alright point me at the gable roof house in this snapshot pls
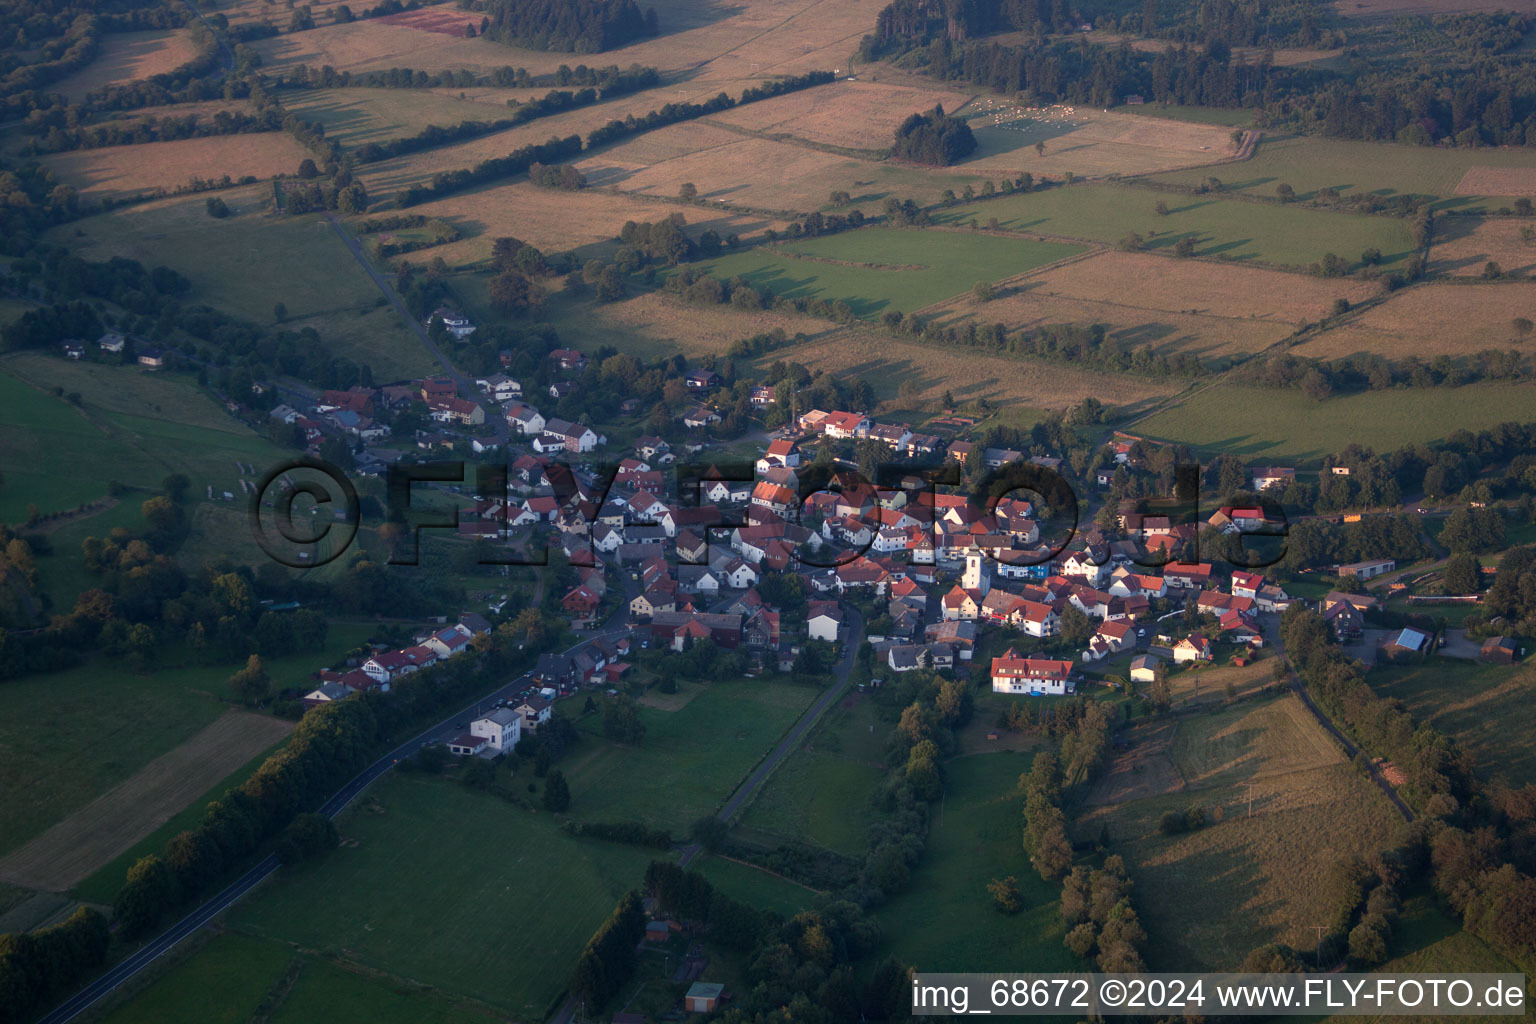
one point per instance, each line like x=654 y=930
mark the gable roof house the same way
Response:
x=1034 y=676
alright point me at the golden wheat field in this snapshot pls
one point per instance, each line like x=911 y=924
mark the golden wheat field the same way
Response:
x=1433 y=319
x=118 y=171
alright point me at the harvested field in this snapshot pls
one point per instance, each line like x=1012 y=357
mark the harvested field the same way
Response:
x=127 y=57
x=1211 y=309
x=855 y=115
x=353 y=117
x=1086 y=142
x=449 y=21
x=704 y=39
x=120 y=817
x=387 y=176
x=1464 y=245
x=1431 y=320
x=1497 y=181
x=121 y=171
x=731 y=166
x=558 y=221
x=655 y=324
x=888 y=363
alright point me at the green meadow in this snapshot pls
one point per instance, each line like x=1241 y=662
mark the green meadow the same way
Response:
x=881 y=269
x=1307 y=163
x=454 y=889
x=1274 y=423
x=1229 y=229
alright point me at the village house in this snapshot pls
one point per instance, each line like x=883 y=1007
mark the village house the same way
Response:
x=456 y=323
x=1265 y=477
x=1192 y=648
x=1033 y=676
x=501 y=729
x=823 y=620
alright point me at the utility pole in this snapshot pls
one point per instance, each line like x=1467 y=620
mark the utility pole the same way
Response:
x=1250 y=786
x=1318 y=953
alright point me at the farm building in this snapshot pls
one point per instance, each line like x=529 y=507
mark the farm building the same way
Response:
x=1498 y=650
x=1368 y=569
x=1144 y=668
x=703 y=997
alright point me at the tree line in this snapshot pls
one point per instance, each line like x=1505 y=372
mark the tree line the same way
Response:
x=553 y=102
x=329 y=745
x=555 y=150
x=37 y=968
x=579 y=26
x=1474 y=839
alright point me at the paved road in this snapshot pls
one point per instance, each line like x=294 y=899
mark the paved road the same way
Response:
x=1272 y=628
x=161 y=944
x=797 y=732
x=466 y=386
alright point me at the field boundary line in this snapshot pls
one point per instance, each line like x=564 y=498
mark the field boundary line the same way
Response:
x=871 y=155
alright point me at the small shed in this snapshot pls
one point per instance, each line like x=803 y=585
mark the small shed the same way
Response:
x=1498 y=650
x=703 y=997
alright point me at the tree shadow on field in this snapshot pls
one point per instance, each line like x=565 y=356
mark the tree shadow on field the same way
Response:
x=1202 y=902
x=684 y=15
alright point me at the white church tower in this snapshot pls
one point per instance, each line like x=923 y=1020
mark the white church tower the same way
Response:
x=978 y=575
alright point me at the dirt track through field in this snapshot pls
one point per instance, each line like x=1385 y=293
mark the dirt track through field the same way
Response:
x=103 y=829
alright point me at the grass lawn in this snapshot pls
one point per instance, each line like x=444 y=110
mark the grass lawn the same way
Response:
x=880 y=269
x=1307 y=163
x=691 y=759
x=430 y=856
x=1239 y=231
x=1489 y=709
x=1270 y=423
x=125 y=720
x=51 y=454
x=756 y=887
x=130 y=425
x=944 y=920
x=818 y=798
x=247 y=263
x=222 y=983
x=1210 y=896
x=235 y=978
x=325 y=991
